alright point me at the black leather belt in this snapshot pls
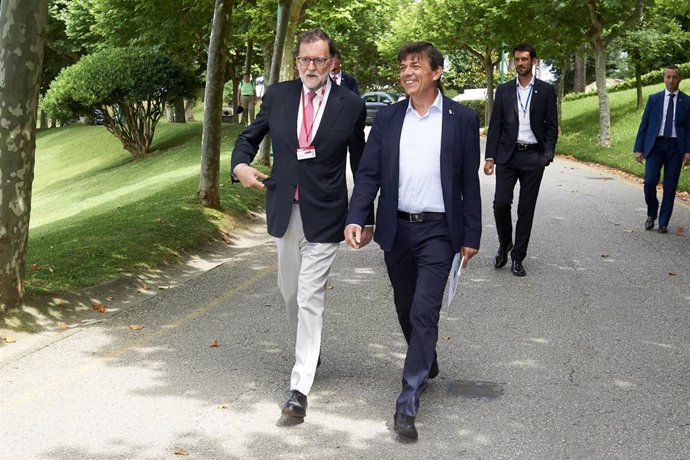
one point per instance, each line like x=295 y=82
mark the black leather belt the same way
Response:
x=523 y=147
x=421 y=216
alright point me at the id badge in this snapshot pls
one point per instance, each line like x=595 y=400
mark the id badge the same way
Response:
x=306 y=153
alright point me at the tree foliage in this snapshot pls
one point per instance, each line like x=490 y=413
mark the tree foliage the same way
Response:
x=128 y=85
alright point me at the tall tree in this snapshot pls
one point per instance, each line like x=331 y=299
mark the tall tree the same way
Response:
x=608 y=20
x=22 y=34
x=209 y=179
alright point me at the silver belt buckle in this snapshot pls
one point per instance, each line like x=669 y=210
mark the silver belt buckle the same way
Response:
x=416 y=217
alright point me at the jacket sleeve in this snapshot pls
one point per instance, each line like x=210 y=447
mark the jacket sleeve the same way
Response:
x=644 y=126
x=550 y=123
x=471 y=195
x=495 y=124
x=356 y=148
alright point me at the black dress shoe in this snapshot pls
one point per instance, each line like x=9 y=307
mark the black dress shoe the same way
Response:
x=502 y=255
x=662 y=229
x=517 y=268
x=404 y=425
x=296 y=404
x=433 y=372
x=649 y=223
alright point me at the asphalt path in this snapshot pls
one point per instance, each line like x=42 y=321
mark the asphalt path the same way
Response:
x=587 y=357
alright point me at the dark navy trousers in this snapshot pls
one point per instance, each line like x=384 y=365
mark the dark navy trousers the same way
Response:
x=418 y=268
x=666 y=154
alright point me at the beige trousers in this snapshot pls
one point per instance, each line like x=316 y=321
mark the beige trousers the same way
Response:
x=303 y=269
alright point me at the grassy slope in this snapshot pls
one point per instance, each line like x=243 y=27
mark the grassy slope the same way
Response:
x=580 y=131
x=97 y=214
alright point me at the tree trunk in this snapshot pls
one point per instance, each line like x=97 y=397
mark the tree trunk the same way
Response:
x=22 y=35
x=44 y=120
x=295 y=15
x=489 y=71
x=179 y=110
x=580 y=73
x=189 y=109
x=249 y=57
x=603 y=92
x=274 y=75
x=638 y=83
x=209 y=178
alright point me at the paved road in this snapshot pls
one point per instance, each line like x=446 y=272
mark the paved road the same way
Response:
x=587 y=357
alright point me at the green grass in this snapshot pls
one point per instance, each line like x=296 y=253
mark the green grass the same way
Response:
x=98 y=214
x=580 y=131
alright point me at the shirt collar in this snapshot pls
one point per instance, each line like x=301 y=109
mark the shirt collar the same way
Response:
x=321 y=92
x=667 y=92
x=517 y=82
x=438 y=104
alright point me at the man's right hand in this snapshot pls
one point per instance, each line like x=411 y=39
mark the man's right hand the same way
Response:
x=639 y=157
x=249 y=177
x=489 y=167
x=353 y=236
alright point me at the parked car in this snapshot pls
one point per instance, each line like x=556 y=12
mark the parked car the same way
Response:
x=375 y=100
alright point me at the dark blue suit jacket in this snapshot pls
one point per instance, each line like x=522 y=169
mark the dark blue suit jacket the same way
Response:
x=379 y=168
x=651 y=123
x=349 y=82
x=323 y=187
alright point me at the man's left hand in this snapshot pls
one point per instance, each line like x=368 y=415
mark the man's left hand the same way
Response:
x=467 y=254
x=686 y=159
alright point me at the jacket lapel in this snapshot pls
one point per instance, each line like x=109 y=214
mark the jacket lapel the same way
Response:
x=447 y=142
x=331 y=110
x=289 y=112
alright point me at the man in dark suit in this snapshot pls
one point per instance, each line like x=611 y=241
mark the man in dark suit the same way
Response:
x=423 y=155
x=312 y=124
x=663 y=140
x=523 y=131
x=340 y=78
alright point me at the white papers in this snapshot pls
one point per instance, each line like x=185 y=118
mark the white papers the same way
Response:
x=455 y=272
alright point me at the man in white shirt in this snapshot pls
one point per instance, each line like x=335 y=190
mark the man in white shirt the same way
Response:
x=521 y=142
x=423 y=155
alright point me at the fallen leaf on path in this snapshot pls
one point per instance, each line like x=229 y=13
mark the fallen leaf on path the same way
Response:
x=604 y=255
x=36 y=266
x=62 y=326
x=628 y=230
x=680 y=231
x=136 y=327
x=99 y=307
x=214 y=344
x=109 y=297
x=446 y=337
x=9 y=339
x=222 y=406
x=181 y=452
x=671 y=273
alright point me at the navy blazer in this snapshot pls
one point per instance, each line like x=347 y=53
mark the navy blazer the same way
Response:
x=349 y=82
x=380 y=165
x=505 y=123
x=322 y=183
x=650 y=125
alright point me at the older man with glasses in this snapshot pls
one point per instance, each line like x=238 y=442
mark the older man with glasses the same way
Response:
x=312 y=123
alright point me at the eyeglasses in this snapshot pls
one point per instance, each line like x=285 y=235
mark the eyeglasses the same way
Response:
x=318 y=62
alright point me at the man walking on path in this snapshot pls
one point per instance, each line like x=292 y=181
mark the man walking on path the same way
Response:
x=245 y=99
x=423 y=155
x=312 y=123
x=663 y=141
x=523 y=130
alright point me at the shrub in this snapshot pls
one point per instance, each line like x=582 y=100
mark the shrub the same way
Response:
x=129 y=86
x=477 y=106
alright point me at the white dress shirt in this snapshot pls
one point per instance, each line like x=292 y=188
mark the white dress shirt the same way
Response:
x=419 y=187
x=663 y=113
x=524 y=95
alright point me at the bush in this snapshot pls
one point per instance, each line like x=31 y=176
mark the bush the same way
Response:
x=477 y=106
x=650 y=78
x=130 y=86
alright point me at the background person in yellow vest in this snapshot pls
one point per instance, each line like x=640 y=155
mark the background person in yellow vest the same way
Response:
x=245 y=98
